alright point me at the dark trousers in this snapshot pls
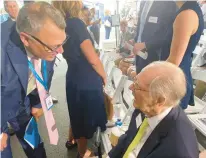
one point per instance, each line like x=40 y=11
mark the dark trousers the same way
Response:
x=107 y=32
x=38 y=152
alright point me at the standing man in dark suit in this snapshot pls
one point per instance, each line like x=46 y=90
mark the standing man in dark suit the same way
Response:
x=22 y=44
x=159 y=128
x=154 y=20
x=12 y=8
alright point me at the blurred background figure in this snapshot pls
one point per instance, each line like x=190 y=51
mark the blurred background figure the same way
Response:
x=107 y=23
x=84 y=79
x=12 y=8
x=95 y=25
x=125 y=36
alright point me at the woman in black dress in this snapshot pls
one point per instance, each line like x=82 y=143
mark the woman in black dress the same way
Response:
x=84 y=79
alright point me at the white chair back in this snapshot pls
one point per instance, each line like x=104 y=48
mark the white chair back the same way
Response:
x=198 y=73
x=109 y=68
x=108 y=44
x=105 y=59
x=115 y=86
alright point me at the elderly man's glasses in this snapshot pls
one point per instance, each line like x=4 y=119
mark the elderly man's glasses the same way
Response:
x=47 y=48
x=137 y=87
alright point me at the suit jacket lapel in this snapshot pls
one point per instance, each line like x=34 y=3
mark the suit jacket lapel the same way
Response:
x=158 y=134
x=19 y=61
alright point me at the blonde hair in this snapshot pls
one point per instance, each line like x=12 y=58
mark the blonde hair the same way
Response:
x=69 y=8
x=107 y=12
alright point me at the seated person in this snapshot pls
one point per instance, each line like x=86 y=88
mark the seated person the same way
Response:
x=125 y=36
x=159 y=128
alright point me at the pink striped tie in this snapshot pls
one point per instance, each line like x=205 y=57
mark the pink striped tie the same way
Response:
x=49 y=118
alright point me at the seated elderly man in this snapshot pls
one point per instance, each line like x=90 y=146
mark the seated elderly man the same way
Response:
x=159 y=128
x=126 y=35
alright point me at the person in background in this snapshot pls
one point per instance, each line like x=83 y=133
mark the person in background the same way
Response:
x=84 y=79
x=86 y=18
x=125 y=36
x=184 y=37
x=107 y=24
x=20 y=100
x=95 y=26
x=12 y=8
x=154 y=23
x=159 y=128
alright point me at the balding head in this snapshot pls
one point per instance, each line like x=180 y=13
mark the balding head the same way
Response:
x=164 y=85
x=33 y=16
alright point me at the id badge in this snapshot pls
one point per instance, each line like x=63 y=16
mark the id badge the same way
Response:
x=49 y=102
x=153 y=19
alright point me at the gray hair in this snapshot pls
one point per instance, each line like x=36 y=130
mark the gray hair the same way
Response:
x=32 y=17
x=169 y=84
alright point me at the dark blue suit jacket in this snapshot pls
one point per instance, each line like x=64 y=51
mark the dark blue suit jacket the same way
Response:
x=172 y=138
x=15 y=104
x=154 y=34
x=7 y=25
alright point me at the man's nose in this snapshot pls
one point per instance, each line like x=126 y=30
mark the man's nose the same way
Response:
x=60 y=50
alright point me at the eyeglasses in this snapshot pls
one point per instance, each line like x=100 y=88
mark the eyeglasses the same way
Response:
x=137 y=87
x=46 y=47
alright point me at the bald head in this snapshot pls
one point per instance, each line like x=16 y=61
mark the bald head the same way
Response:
x=164 y=80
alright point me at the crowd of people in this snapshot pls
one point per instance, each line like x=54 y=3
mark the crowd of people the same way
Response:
x=162 y=84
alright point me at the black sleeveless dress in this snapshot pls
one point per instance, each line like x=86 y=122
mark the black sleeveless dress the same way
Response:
x=185 y=65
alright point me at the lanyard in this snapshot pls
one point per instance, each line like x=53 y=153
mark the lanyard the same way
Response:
x=45 y=77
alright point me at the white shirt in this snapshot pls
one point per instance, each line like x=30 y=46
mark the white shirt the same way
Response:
x=153 y=122
x=31 y=80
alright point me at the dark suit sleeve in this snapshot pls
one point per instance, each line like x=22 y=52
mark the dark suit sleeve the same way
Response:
x=158 y=39
x=138 y=20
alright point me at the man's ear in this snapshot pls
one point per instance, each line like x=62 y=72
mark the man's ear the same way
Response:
x=160 y=101
x=24 y=38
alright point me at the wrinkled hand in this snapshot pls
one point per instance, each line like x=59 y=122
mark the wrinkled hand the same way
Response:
x=138 y=47
x=131 y=42
x=37 y=113
x=4 y=138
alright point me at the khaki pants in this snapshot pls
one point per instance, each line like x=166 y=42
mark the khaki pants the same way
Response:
x=200 y=89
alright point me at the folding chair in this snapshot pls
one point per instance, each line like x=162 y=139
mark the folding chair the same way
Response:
x=115 y=85
x=199 y=120
x=198 y=73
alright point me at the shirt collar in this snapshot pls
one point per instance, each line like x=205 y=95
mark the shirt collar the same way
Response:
x=155 y=120
x=29 y=55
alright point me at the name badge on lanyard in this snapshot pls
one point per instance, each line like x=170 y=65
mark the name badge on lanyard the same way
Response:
x=153 y=19
x=48 y=99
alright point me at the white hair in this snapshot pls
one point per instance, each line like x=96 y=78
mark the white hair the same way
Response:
x=169 y=84
x=33 y=16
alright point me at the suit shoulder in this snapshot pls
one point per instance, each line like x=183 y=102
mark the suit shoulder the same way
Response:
x=183 y=135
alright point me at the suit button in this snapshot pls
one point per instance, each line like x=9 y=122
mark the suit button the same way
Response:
x=20 y=102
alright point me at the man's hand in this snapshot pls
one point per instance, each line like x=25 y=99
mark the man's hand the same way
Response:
x=138 y=47
x=3 y=139
x=37 y=113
